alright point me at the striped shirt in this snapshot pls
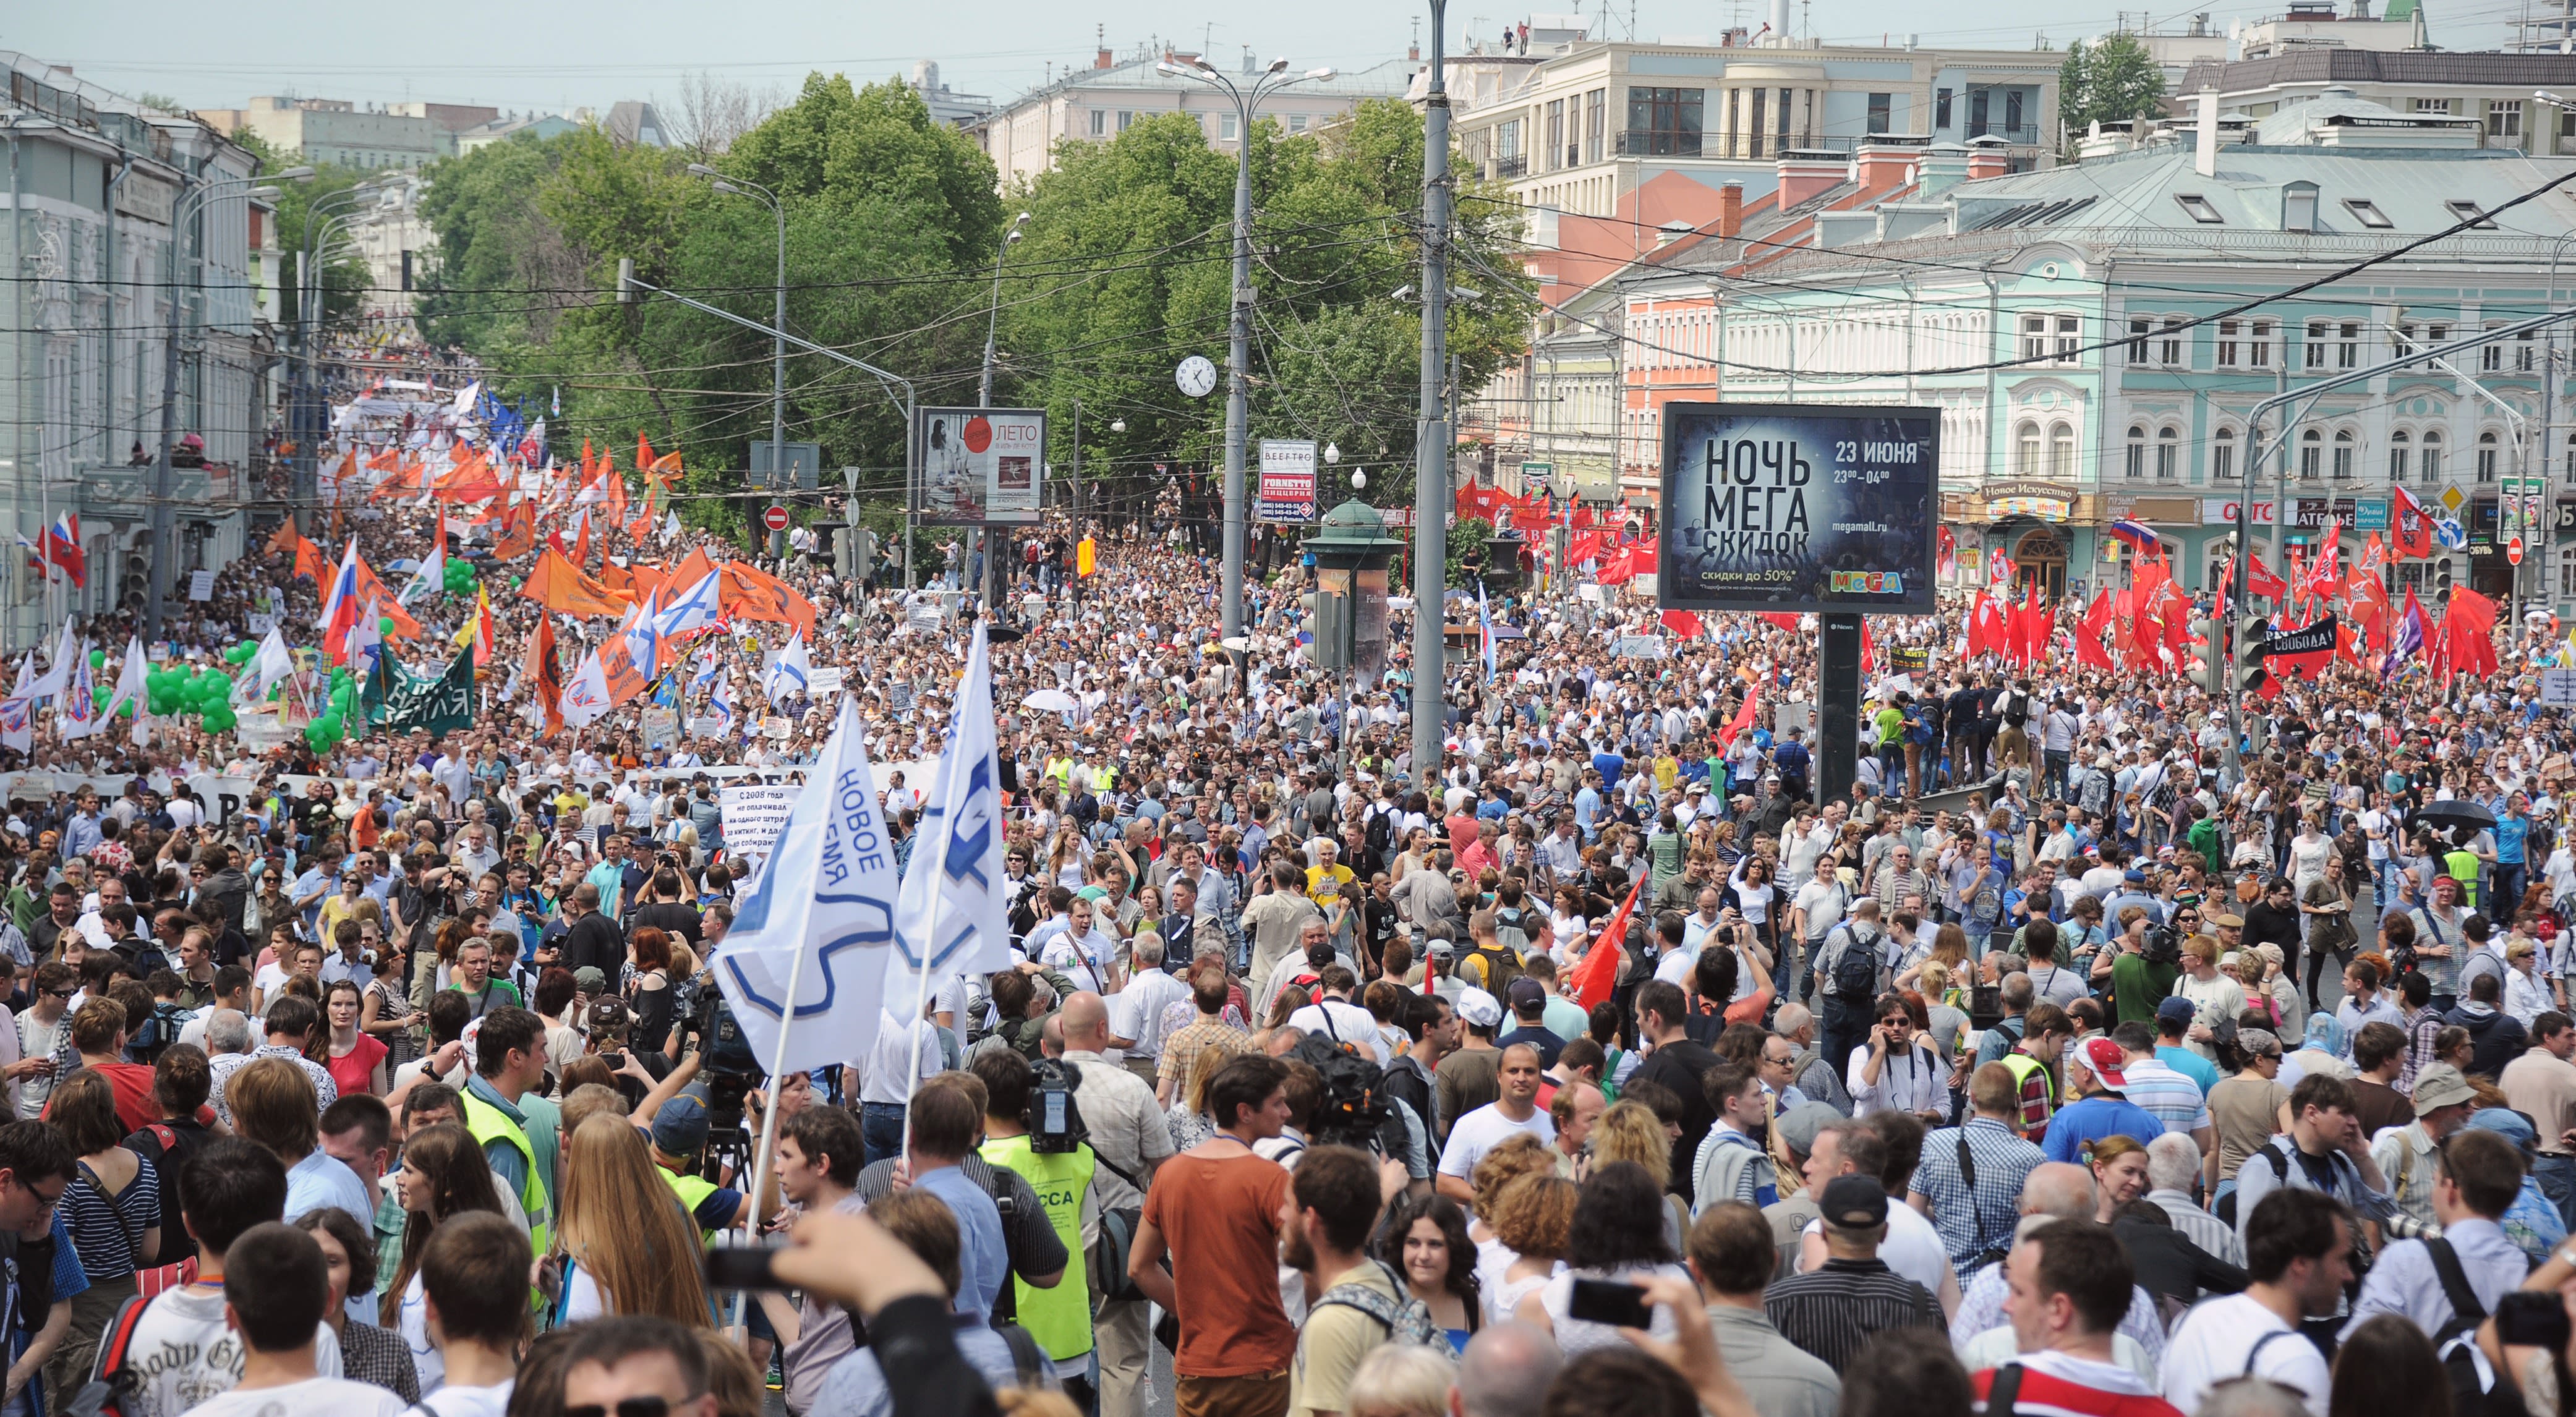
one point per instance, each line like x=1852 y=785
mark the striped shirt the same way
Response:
x=2200 y=1227
x=1834 y=1310
x=105 y=1229
x=2166 y=1095
x=1974 y=1218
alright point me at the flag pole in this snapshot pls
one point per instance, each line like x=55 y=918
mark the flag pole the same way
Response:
x=777 y=1064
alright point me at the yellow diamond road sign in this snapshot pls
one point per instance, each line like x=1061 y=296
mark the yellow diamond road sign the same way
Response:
x=2452 y=497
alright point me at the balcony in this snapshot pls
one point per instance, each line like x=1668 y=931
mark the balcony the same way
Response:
x=1640 y=142
x=1513 y=166
x=2019 y=135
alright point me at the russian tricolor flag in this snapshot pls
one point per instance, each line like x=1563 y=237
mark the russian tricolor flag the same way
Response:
x=340 y=605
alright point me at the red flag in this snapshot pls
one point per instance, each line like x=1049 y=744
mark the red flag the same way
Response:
x=1684 y=623
x=2410 y=524
x=2030 y=628
x=2088 y=634
x=1868 y=656
x=1597 y=973
x=1987 y=629
x=544 y=676
x=1780 y=620
x=2468 y=632
x=1742 y=720
x=2261 y=580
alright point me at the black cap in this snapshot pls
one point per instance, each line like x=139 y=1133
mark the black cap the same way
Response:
x=1854 y=1202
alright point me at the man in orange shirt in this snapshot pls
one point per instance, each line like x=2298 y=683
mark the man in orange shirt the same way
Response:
x=1215 y=1210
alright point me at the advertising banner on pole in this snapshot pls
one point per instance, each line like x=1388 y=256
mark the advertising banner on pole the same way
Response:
x=981 y=466
x=1287 y=491
x=1797 y=507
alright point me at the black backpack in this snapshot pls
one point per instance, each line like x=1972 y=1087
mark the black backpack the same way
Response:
x=160 y=1029
x=1855 y=971
x=1381 y=832
x=2457 y=1341
x=1355 y=1100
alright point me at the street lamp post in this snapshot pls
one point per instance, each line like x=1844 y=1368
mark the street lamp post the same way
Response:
x=1239 y=314
x=992 y=579
x=778 y=470
x=1431 y=450
x=158 y=517
x=308 y=421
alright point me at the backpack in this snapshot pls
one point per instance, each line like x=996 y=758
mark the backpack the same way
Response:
x=1407 y=1320
x=1501 y=966
x=160 y=1029
x=110 y=1390
x=1510 y=929
x=2015 y=708
x=2457 y=1341
x=1855 y=972
x=1355 y=1098
x=1380 y=832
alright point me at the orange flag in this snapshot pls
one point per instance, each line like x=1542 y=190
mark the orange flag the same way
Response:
x=543 y=674
x=283 y=540
x=581 y=543
x=560 y=586
x=648 y=578
x=748 y=594
x=472 y=480
x=643 y=449
x=692 y=569
x=518 y=535
x=617 y=578
x=1597 y=973
x=309 y=562
x=369 y=587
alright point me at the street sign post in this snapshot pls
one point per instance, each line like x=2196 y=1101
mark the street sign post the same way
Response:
x=775 y=518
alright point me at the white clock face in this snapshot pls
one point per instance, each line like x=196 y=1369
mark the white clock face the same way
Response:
x=1196 y=376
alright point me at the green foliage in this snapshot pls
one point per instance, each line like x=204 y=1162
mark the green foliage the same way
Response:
x=345 y=279
x=2109 y=82
x=1467 y=553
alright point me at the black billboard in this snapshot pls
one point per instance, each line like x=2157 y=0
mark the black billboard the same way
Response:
x=1798 y=507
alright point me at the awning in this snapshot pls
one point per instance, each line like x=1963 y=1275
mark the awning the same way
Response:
x=2047 y=509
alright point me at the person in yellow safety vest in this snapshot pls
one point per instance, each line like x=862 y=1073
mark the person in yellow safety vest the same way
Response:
x=2045 y=1031
x=2462 y=865
x=1059 y=1318
x=509 y=1062
x=818 y=1170
x=679 y=1134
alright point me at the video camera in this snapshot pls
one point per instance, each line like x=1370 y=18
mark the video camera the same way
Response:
x=1054 y=1119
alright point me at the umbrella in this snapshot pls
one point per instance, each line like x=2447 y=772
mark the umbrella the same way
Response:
x=2455 y=815
x=1050 y=701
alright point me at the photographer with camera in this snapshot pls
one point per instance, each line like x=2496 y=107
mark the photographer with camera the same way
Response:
x=1127 y=1132
x=1059 y=1167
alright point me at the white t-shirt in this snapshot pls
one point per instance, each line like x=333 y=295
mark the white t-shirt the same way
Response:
x=413 y=1323
x=2217 y=1341
x=313 y=1397
x=1484 y=1129
x=1343 y=1023
x=1912 y=1248
x=1823 y=901
x=185 y=1358
x=471 y=1401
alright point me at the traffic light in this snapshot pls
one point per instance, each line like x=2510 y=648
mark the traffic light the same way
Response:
x=1313 y=649
x=2210 y=675
x=2251 y=632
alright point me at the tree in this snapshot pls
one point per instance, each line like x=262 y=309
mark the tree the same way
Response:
x=2111 y=81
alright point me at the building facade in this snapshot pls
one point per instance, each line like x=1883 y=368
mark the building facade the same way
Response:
x=100 y=187
x=2498 y=91
x=1099 y=103
x=337 y=131
x=2096 y=336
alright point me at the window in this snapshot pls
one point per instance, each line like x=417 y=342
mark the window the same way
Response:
x=2504 y=119
x=1753 y=132
x=2490 y=356
x=2525 y=353
x=1557 y=156
x=2169 y=344
x=2222 y=455
x=1664 y=122
x=2012 y=113
x=2345 y=448
x=2169 y=455
x=2061 y=453
x=2034 y=336
x=1977 y=110
x=2488 y=447
x=1126 y=119
x=2312 y=455
x=1508 y=161
x=2199 y=208
x=2227 y=342
x=2471 y=213
x=2299 y=206
x=2026 y=450
x=1941 y=108
x=2139 y=328
x=2432 y=105
x=2258 y=345
x=2432 y=458
x=1596 y=105
x=1881 y=112
x=2134 y=464
x=2401 y=449
x=1100 y=122
x=1225 y=127
x=1297 y=122
x=2070 y=337
x=2348 y=345
x=2567 y=556
x=2571 y=450
x=2567 y=122
x=2367 y=213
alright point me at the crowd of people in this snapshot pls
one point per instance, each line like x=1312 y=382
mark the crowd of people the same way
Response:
x=1606 y=1067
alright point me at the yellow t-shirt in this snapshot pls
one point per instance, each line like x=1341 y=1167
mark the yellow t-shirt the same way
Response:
x=1342 y=879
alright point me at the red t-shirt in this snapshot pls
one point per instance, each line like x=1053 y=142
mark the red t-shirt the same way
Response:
x=135 y=1108
x=355 y=1070
x=2046 y=1395
x=1220 y=1215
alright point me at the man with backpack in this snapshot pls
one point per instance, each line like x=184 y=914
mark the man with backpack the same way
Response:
x=1849 y=969
x=1361 y=1301
x=1128 y=1135
x=2446 y=1286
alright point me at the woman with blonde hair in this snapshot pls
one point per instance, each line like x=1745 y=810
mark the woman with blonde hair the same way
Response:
x=1630 y=1131
x=1530 y=1220
x=628 y=1247
x=1401 y=1380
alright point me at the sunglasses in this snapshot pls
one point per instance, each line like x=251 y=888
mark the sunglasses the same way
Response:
x=646 y=1406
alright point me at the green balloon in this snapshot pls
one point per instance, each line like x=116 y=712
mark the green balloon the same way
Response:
x=241 y=653
x=98 y=695
x=384 y=624
x=218 y=719
x=98 y=659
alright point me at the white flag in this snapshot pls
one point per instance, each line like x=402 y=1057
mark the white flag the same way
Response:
x=129 y=683
x=428 y=578
x=826 y=892
x=585 y=695
x=787 y=678
x=275 y=664
x=58 y=671
x=953 y=917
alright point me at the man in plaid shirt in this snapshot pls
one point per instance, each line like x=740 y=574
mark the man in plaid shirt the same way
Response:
x=1969 y=1181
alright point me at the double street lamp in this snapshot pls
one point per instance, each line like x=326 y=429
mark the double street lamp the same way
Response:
x=1246 y=98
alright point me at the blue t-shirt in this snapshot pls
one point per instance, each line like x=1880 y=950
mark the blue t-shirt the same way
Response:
x=2190 y=1064
x=982 y=1261
x=2095 y=1118
x=2509 y=834
x=1609 y=765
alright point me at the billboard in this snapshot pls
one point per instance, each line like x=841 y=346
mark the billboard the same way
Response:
x=980 y=466
x=1287 y=480
x=1798 y=507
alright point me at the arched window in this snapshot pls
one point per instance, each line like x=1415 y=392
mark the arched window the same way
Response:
x=2488 y=447
x=2344 y=450
x=2168 y=454
x=2432 y=458
x=2061 y=452
x=2222 y=455
x=2312 y=455
x=2026 y=450
x=2133 y=464
x=2401 y=451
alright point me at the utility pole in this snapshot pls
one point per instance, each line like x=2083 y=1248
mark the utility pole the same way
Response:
x=1432 y=442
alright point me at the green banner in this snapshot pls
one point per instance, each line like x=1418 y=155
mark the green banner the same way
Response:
x=441 y=705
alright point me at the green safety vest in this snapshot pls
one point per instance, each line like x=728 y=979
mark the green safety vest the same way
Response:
x=490 y=1124
x=2462 y=866
x=1059 y=1318
x=693 y=1192
x=2023 y=1065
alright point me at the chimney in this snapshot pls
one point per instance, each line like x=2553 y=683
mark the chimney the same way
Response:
x=1101 y=60
x=1100 y=37
x=1939 y=168
x=1987 y=158
x=2204 y=153
x=1883 y=166
x=1730 y=210
x=1779 y=37
x=1804 y=174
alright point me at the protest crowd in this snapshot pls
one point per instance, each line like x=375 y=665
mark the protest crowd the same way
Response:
x=388 y=949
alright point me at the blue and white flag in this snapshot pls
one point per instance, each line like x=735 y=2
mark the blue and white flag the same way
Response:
x=787 y=678
x=954 y=915
x=720 y=708
x=1485 y=631
x=827 y=893
x=704 y=672
x=697 y=608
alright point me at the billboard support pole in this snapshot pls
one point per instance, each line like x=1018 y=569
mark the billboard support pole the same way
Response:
x=1837 y=706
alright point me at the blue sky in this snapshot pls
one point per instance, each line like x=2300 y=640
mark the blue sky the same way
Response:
x=556 y=54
